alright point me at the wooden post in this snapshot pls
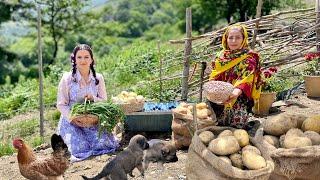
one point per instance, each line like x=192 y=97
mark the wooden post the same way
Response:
x=187 y=52
x=317 y=8
x=255 y=31
x=40 y=72
x=160 y=71
x=203 y=68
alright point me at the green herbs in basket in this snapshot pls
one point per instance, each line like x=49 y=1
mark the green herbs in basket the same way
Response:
x=109 y=113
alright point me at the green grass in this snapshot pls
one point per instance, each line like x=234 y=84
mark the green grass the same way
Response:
x=28 y=130
x=6 y=149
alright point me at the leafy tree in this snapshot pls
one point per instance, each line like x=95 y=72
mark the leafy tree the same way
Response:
x=6 y=57
x=59 y=18
x=206 y=13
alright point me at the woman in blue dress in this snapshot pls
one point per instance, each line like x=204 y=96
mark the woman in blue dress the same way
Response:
x=82 y=82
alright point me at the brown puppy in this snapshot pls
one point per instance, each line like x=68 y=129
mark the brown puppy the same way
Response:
x=159 y=151
x=126 y=161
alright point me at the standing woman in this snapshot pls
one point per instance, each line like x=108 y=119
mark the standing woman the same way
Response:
x=82 y=82
x=240 y=66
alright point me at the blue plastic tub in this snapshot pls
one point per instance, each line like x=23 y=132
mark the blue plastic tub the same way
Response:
x=155 y=117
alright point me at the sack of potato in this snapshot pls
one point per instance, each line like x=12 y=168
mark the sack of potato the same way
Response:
x=129 y=101
x=293 y=142
x=183 y=125
x=226 y=153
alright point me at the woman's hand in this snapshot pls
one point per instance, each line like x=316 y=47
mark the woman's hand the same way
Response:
x=234 y=95
x=89 y=97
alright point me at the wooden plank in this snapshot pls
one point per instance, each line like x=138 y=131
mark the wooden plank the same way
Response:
x=40 y=72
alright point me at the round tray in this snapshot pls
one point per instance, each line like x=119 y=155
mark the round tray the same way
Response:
x=217 y=91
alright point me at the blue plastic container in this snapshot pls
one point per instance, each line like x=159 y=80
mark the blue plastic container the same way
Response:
x=155 y=117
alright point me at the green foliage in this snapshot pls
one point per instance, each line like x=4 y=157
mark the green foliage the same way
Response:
x=24 y=128
x=6 y=149
x=36 y=141
x=313 y=68
x=53 y=117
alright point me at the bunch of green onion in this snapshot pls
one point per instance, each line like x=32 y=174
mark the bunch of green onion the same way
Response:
x=109 y=113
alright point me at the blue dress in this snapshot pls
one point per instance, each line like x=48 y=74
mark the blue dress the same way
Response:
x=84 y=142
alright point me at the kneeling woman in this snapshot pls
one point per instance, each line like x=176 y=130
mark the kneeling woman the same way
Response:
x=82 y=82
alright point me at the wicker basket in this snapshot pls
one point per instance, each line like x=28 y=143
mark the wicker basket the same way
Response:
x=129 y=108
x=217 y=91
x=88 y=120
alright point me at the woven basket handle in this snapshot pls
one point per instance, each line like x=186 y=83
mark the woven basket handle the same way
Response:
x=85 y=105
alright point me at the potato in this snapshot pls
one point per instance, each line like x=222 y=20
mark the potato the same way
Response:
x=201 y=106
x=225 y=133
x=295 y=132
x=182 y=110
x=209 y=112
x=313 y=136
x=225 y=159
x=279 y=124
x=253 y=161
x=236 y=160
x=251 y=149
x=242 y=136
x=202 y=114
x=224 y=145
x=206 y=137
x=131 y=100
x=281 y=140
x=299 y=117
x=183 y=104
x=296 y=142
x=311 y=124
x=273 y=140
x=140 y=98
x=132 y=94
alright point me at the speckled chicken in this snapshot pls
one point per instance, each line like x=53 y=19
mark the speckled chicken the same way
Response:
x=47 y=168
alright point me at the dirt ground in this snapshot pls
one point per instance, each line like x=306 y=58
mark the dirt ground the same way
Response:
x=9 y=166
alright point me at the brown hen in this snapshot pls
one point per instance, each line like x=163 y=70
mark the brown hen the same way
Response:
x=48 y=168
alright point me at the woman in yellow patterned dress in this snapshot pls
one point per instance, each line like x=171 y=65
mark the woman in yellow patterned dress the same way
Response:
x=240 y=66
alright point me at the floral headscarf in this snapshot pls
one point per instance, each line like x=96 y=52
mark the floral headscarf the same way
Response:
x=244 y=32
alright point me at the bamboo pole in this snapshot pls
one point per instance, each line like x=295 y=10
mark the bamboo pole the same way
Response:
x=187 y=52
x=40 y=72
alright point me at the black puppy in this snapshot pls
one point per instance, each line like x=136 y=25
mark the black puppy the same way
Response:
x=160 y=152
x=126 y=161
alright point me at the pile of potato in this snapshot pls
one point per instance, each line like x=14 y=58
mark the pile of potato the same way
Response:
x=183 y=126
x=292 y=131
x=234 y=148
x=128 y=98
x=203 y=112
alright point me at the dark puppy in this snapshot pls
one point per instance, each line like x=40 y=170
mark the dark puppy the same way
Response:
x=160 y=152
x=126 y=161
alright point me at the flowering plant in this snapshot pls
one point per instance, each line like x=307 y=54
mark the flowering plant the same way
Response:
x=269 y=82
x=313 y=67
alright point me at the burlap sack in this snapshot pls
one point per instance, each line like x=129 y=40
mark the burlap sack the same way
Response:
x=202 y=164
x=183 y=123
x=180 y=127
x=181 y=141
x=295 y=163
x=183 y=127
